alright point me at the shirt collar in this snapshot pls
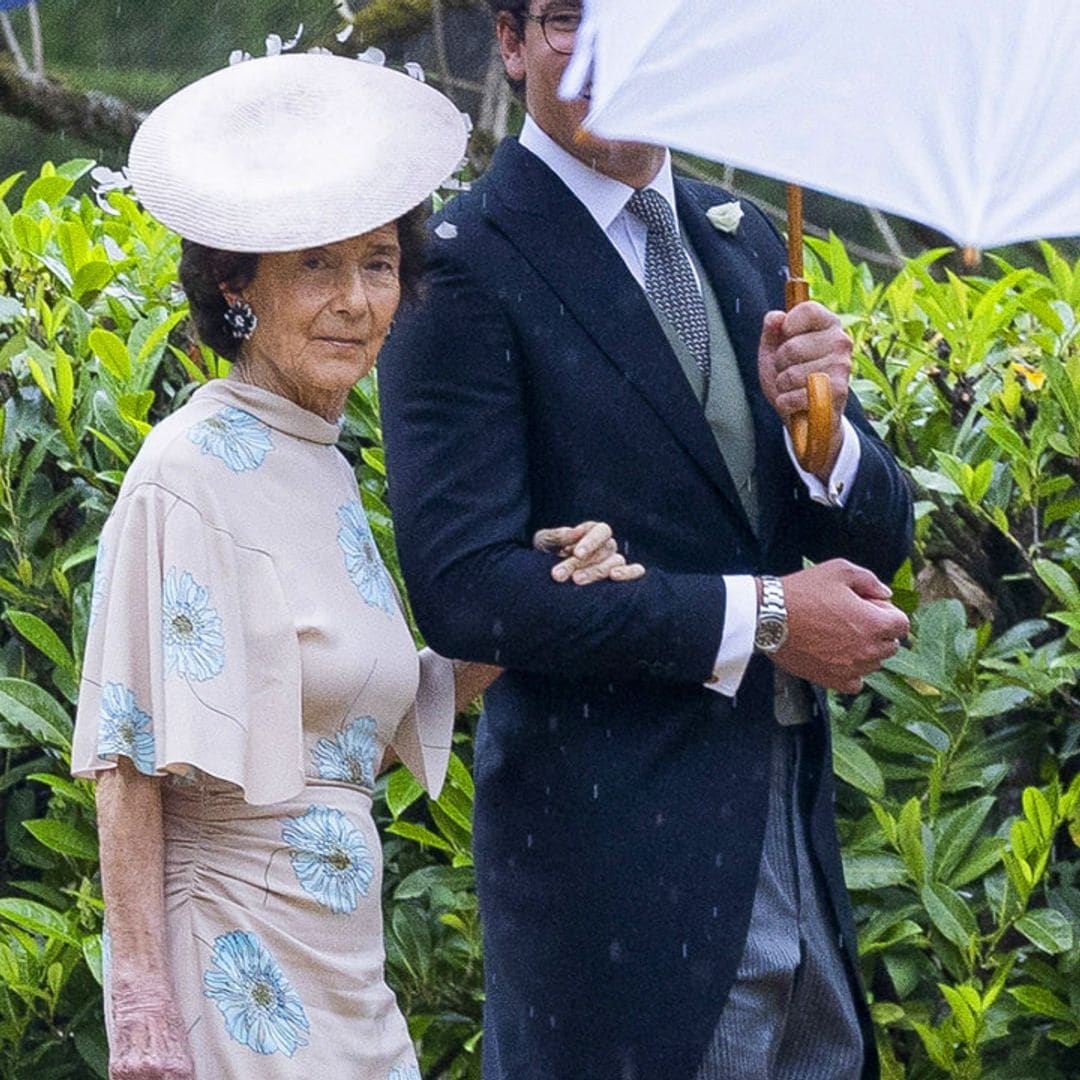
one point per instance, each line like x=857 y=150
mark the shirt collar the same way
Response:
x=602 y=196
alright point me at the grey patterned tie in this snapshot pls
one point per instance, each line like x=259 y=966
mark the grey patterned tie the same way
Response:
x=669 y=277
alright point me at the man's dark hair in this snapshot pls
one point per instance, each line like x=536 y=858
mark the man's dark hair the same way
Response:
x=516 y=8
x=203 y=270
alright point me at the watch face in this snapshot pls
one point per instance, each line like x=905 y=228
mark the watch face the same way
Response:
x=771 y=634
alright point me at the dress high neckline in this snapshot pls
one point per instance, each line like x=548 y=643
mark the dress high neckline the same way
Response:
x=272 y=409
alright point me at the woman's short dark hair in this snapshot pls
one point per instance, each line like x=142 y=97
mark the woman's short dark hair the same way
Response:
x=203 y=270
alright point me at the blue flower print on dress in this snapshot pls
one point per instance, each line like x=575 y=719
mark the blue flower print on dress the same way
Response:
x=97 y=595
x=234 y=436
x=404 y=1072
x=190 y=629
x=362 y=559
x=124 y=729
x=350 y=755
x=330 y=858
x=261 y=1009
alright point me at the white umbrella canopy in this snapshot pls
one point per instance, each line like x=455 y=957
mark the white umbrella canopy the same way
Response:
x=963 y=115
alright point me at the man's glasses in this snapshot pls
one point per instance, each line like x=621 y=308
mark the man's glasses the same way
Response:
x=559 y=29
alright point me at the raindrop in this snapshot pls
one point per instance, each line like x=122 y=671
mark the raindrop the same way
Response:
x=345 y=33
x=659 y=819
x=551 y=1022
x=596 y=791
x=468 y=123
x=273 y=44
x=532 y=1011
x=446 y=231
x=529 y=840
x=238 y=56
x=615 y=951
x=685 y=950
x=415 y=71
x=718 y=862
x=294 y=40
x=716 y=913
x=585 y=711
x=738 y=304
x=553 y=725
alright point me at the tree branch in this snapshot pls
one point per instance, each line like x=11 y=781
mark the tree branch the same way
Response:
x=91 y=116
x=384 y=22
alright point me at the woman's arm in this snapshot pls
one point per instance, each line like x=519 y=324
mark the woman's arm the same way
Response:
x=587 y=553
x=148 y=1037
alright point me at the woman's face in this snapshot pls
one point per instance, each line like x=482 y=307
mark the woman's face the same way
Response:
x=324 y=313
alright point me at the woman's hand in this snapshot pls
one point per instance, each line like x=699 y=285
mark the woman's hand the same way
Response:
x=148 y=1037
x=588 y=552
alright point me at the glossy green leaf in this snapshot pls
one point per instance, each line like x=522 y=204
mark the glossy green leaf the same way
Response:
x=949 y=913
x=63 y=837
x=112 y=353
x=1047 y=929
x=42 y=637
x=855 y=766
x=37 y=919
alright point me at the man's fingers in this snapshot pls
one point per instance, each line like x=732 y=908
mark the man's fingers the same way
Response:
x=812 y=348
x=772 y=330
x=806 y=318
x=629 y=572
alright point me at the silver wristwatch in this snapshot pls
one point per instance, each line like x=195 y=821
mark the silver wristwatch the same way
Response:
x=772 y=626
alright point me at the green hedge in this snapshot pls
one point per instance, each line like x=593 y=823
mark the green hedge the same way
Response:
x=959 y=803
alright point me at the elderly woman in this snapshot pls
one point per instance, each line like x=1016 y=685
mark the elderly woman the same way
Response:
x=248 y=666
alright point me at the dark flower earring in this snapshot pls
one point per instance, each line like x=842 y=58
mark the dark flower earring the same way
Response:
x=240 y=320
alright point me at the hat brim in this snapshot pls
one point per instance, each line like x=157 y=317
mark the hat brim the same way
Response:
x=293 y=151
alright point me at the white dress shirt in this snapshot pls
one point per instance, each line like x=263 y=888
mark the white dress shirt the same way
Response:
x=606 y=199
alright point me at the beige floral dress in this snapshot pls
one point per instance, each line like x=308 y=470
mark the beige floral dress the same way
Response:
x=247 y=647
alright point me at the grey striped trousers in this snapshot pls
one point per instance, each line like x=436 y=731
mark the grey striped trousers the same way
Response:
x=790 y=1014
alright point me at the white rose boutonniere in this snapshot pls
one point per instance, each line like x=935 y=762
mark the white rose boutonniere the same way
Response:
x=725 y=217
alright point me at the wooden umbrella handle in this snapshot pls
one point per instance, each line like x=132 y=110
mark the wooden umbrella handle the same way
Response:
x=811 y=431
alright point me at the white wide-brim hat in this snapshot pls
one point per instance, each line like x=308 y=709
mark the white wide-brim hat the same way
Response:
x=293 y=151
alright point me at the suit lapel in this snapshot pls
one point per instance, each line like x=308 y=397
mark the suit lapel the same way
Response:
x=560 y=239
x=735 y=270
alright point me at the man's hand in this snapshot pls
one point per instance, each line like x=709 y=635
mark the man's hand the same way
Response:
x=588 y=553
x=841 y=625
x=806 y=339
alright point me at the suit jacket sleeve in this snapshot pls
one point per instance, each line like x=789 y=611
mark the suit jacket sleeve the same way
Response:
x=455 y=424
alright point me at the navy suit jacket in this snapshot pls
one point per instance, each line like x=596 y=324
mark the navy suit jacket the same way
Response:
x=620 y=805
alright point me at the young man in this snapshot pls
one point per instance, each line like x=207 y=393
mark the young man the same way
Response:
x=656 y=851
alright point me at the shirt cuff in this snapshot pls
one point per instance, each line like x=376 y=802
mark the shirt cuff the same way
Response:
x=844 y=471
x=737 y=646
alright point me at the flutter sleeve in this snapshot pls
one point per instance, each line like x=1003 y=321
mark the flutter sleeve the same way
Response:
x=192 y=658
x=425 y=733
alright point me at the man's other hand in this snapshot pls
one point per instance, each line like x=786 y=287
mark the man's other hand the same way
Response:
x=841 y=625
x=794 y=344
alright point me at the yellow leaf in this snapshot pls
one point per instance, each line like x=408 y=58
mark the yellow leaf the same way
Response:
x=1032 y=376
x=925 y=689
